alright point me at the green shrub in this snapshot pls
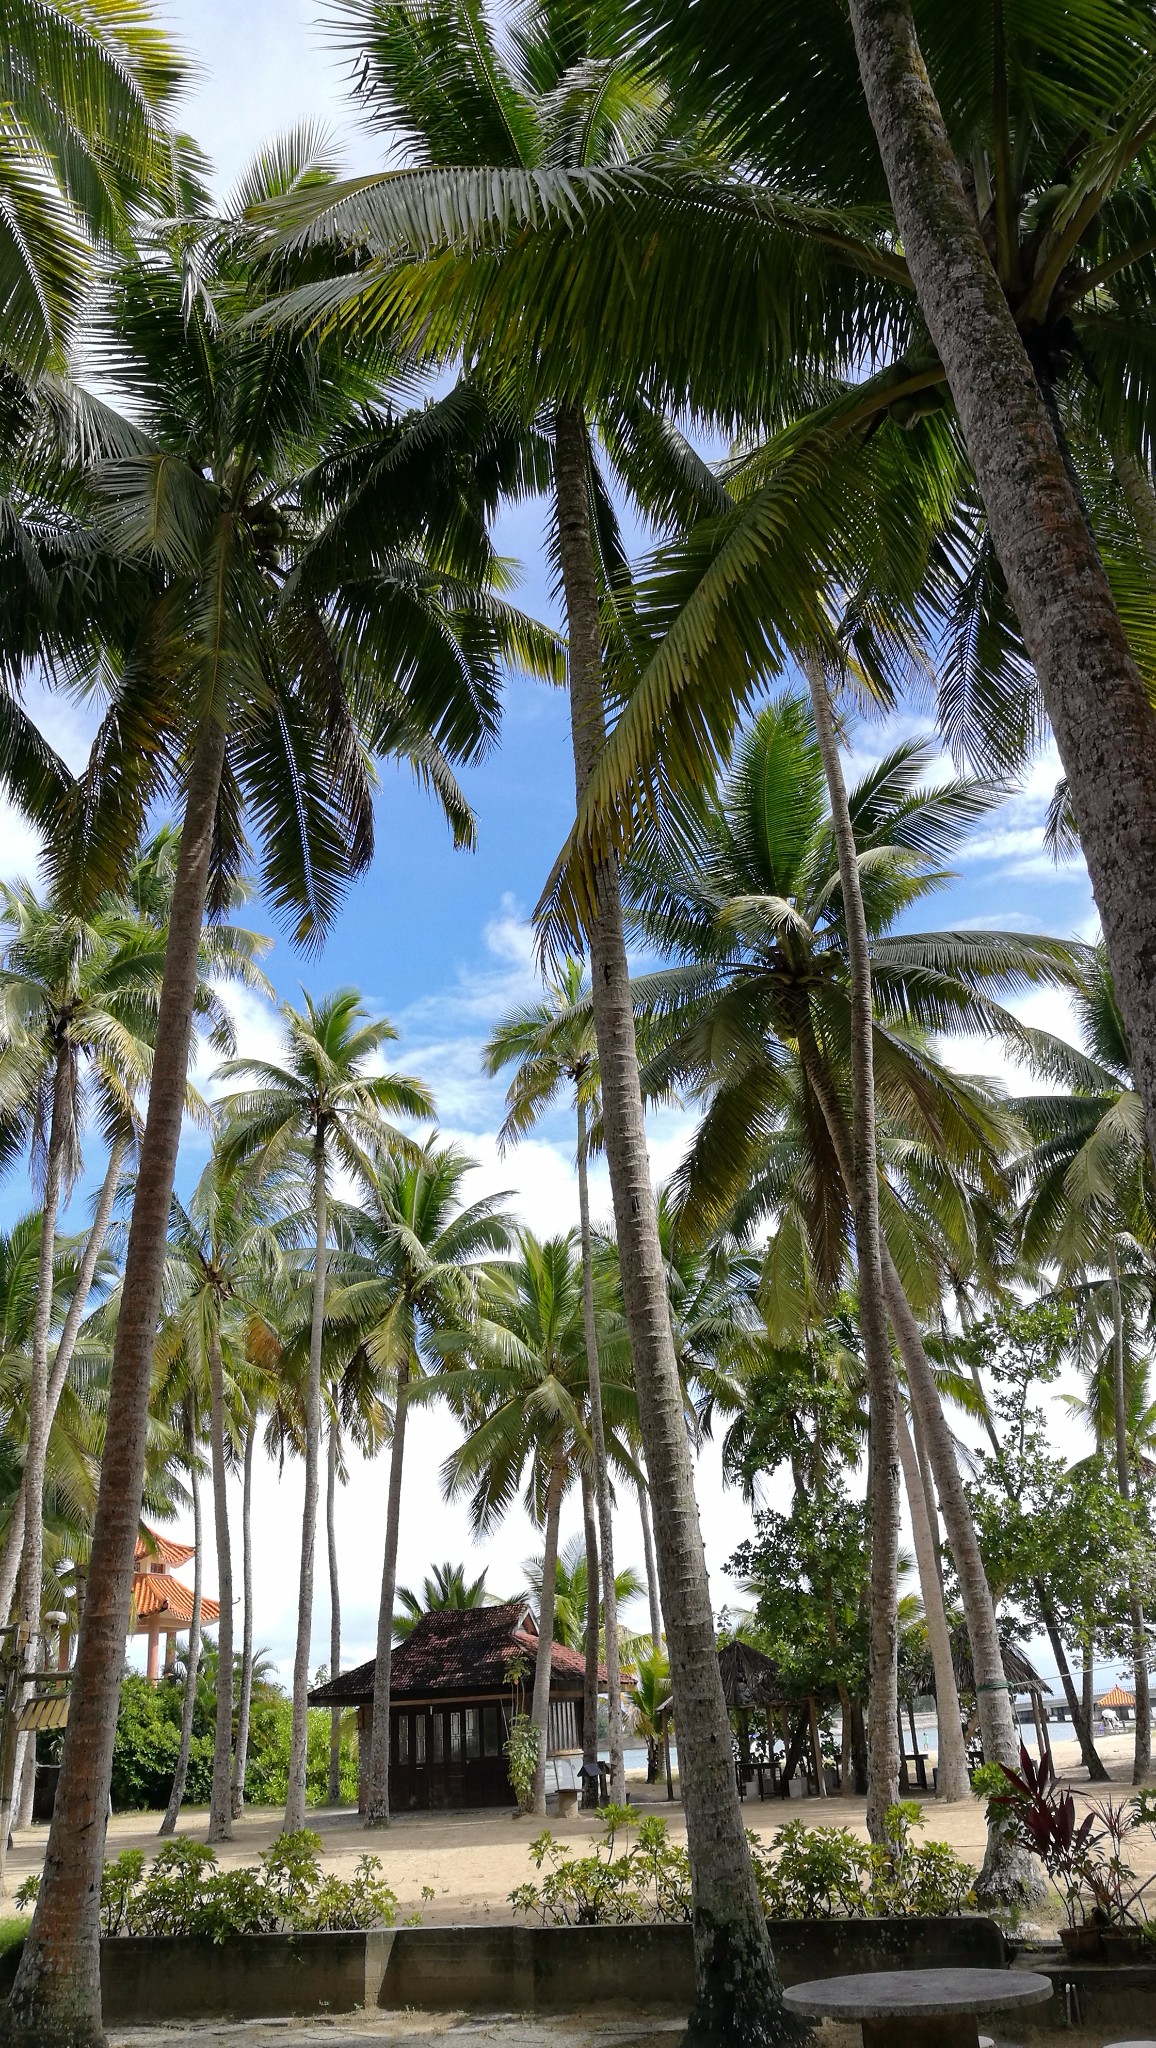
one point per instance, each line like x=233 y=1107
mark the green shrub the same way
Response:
x=148 y=1734
x=651 y=1881
x=805 y=1874
x=817 y=1873
x=183 y=1891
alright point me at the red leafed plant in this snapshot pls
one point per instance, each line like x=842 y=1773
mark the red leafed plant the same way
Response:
x=1045 y=1814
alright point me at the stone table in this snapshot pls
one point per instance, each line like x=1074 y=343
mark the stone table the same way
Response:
x=916 y=2008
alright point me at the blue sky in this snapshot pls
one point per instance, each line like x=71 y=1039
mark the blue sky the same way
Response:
x=439 y=940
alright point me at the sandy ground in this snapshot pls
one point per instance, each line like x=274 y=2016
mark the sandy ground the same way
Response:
x=472 y=1861
x=445 y=2030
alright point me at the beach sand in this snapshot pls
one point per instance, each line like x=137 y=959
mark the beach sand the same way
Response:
x=472 y=1861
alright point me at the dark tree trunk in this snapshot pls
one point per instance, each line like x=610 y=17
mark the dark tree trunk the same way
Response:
x=1093 y=1763
x=36 y=1446
x=14 y=1540
x=244 y=1703
x=221 y=1800
x=544 y=1657
x=601 y=1478
x=55 y=2001
x=377 y=1785
x=1142 y=1753
x=590 y=1687
x=1099 y=708
x=299 y=1730
x=193 y=1665
x=651 y=1569
x=883 y=1507
x=737 y=1996
x=333 y=1788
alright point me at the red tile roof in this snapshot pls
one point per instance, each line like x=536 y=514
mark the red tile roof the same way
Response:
x=153 y=1552
x=156 y=1593
x=459 y=1651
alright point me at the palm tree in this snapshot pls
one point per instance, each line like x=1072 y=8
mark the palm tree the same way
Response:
x=498 y=135
x=570 y=1590
x=78 y=1001
x=222 y=1250
x=1089 y=1211
x=883 y=1407
x=421 y=1244
x=323 y=1107
x=446 y=1586
x=647 y=1695
x=552 y=1045
x=523 y=1399
x=67 y=1460
x=244 y=677
x=751 y=902
x=991 y=317
x=86 y=95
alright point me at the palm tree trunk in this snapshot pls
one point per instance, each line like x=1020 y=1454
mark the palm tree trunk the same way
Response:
x=651 y=1567
x=36 y=1447
x=601 y=1477
x=1008 y=1874
x=55 y=2000
x=1142 y=1756
x=26 y=1780
x=244 y=1704
x=299 y=1732
x=544 y=1658
x=590 y=1687
x=925 y=1474
x=1096 y=700
x=14 y=1540
x=1081 y=1722
x=953 y=1781
x=737 y=1994
x=883 y=1398
x=377 y=1785
x=333 y=1789
x=221 y=1797
x=189 y=1702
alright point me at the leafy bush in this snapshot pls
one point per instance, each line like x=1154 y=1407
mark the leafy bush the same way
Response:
x=651 y=1881
x=805 y=1874
x=183 y=1891
x=816 y=1873
x=148 y=1733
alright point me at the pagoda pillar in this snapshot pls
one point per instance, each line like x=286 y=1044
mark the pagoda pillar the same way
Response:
x=154 y=1663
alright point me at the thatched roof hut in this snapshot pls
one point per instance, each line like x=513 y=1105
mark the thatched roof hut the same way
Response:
x=750 y=1678
x=1019 y=1670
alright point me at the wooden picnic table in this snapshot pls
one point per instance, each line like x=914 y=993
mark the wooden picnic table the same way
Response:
x=916 y=2008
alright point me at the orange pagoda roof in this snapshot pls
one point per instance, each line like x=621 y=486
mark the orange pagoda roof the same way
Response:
x=1117 y=1698
x=158 y=1593
x=154 y=1552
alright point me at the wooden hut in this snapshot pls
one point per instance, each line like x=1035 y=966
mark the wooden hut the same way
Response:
x=454 y=1684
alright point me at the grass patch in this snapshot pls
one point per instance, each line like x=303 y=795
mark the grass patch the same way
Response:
x=12 y=1932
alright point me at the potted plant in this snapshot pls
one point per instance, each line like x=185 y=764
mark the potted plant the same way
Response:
x=1102 y=1895
x=1044 y=1816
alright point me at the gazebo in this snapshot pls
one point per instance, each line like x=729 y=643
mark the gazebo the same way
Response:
x=162 y=1605
x=752 y=1683
x=1120 y=1701
x=1022 y=1677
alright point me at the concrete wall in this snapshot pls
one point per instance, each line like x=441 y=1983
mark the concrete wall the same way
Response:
x=487 y=1968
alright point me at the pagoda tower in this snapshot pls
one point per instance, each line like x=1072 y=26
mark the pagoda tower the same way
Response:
x=162 y=1605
